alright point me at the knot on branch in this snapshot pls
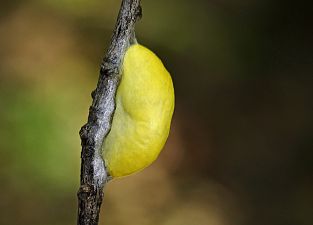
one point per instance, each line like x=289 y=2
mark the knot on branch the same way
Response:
x=93 y=94
x=86 y=136
x=83 y=133
x=110 y=66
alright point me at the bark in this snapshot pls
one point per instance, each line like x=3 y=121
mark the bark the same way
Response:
x=93 y=172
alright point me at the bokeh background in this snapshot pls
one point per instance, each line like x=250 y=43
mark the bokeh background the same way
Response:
x=240 y=148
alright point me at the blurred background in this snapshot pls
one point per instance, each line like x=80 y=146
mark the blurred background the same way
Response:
x=240 y=148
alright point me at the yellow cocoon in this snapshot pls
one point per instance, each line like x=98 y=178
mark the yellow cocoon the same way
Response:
x=142 y=118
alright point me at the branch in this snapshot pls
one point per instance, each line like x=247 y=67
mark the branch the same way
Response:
x=93 y=172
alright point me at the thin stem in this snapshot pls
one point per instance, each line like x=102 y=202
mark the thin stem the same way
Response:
x=93 y=172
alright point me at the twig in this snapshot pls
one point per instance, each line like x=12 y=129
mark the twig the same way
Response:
x=93 y=172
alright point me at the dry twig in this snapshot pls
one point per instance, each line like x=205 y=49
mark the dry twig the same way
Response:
x=93 y=173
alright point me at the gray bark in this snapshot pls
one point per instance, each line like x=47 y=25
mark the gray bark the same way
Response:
x=93 y=172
